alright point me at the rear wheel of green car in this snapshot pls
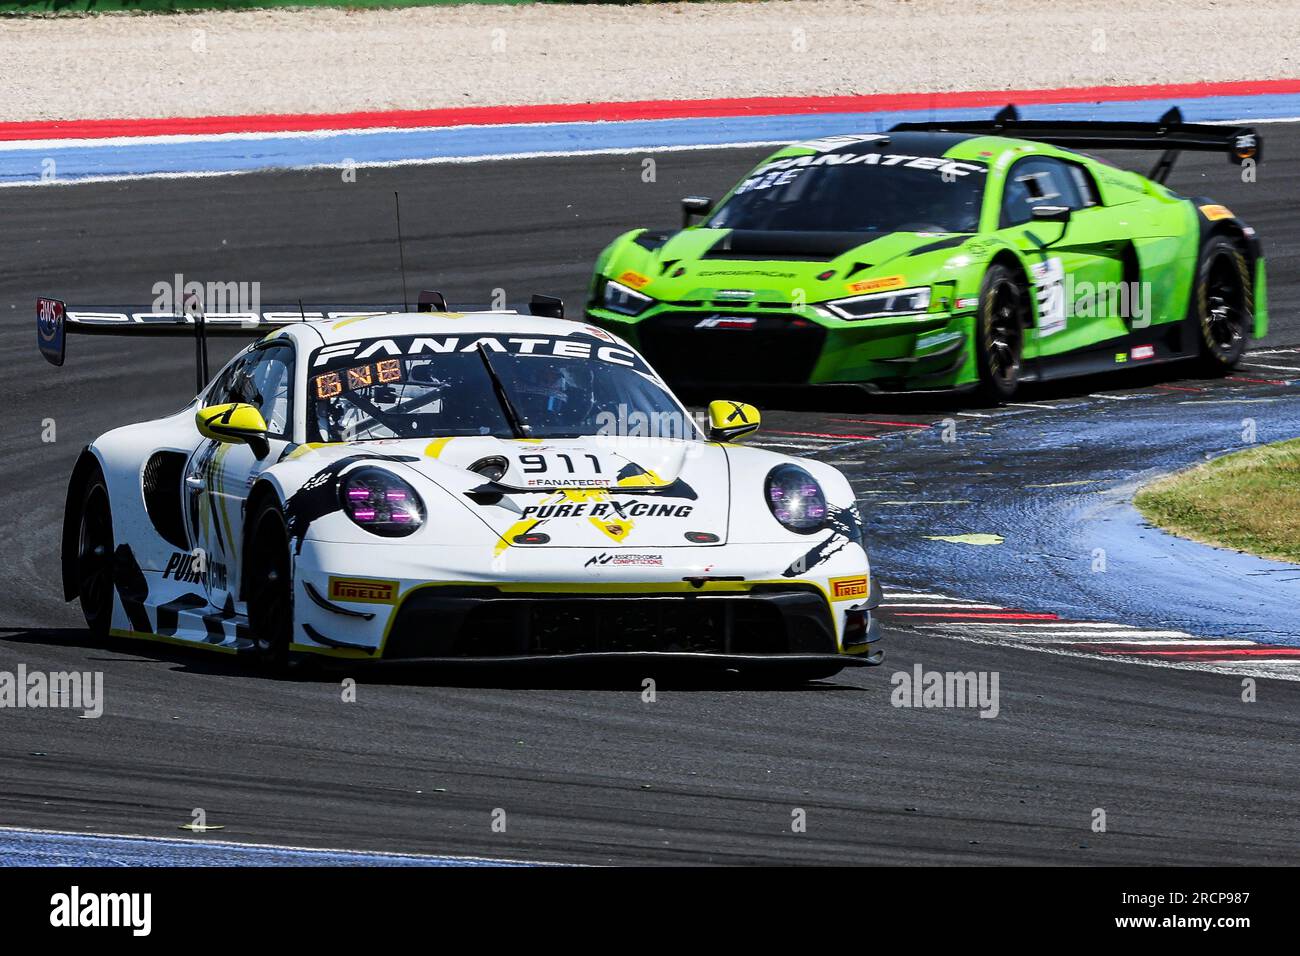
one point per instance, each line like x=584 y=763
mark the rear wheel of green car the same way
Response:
x=1000 y=332
x=1222 y=305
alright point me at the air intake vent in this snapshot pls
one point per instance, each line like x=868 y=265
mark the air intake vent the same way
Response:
x=162 y=496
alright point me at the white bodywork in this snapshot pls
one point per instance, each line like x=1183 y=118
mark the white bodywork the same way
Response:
x=606 y=535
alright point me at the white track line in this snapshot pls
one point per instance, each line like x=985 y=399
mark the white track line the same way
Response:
x=1189 y=643
x=1230 y=401
x=1118 y=635
x=380 y=164
x=920 y=595
x=962 y=607
x=224 y=844
x=1288 y=671
x=1058 y=625
x=1271 y=368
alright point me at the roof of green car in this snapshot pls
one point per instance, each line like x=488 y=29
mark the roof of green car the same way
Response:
x=960 y=146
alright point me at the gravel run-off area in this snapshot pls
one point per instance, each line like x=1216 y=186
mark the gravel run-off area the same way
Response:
x=308 y=61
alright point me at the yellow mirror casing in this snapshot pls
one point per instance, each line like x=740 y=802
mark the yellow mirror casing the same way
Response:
x=729 y=420
x=235 y=423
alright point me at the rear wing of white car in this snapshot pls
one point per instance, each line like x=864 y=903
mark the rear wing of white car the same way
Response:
x=55 y=321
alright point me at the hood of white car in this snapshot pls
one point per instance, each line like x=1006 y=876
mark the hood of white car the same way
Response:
x=574 y=492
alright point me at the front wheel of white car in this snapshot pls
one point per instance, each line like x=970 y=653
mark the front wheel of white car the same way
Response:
x=269 y=586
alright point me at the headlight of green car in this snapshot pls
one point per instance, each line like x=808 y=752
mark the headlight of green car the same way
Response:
x=879 y=305
x=619 y=298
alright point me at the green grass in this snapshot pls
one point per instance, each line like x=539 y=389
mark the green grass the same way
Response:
x=1249 y=500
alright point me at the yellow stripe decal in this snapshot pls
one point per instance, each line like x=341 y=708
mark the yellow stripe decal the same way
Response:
x=436 y=447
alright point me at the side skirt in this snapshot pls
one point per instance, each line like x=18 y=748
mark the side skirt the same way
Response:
x=1168 y=342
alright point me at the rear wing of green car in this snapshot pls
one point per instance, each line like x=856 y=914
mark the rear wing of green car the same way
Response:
x=1169 y=133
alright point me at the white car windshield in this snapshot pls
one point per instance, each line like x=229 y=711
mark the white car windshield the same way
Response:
x=504 y=385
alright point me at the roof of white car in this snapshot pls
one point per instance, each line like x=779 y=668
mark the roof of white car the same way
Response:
x=444 y=323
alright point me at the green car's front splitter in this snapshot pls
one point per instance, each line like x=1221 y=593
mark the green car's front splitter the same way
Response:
x=751 y=347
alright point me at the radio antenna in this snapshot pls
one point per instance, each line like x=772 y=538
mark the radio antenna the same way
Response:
x=401 y=256
x=301 y=313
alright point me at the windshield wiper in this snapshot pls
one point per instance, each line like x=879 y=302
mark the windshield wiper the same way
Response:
x=520 y=427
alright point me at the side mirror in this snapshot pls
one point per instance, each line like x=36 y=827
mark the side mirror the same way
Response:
x=235 y=423
x=1051 y=213
x=729 y=420
x=693 y=206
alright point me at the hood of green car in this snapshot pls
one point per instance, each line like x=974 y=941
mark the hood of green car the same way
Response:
x=775 y=267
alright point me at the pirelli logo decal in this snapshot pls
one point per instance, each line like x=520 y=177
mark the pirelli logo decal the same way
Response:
x=359 y=591
x=842 y=589
x=877 y=285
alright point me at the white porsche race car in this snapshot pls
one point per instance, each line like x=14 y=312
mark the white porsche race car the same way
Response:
x=451 y=487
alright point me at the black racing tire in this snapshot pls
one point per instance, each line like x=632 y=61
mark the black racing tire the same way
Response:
x=268 y=585
x=1223 y=305
x=1000 y=324
x=95 y=584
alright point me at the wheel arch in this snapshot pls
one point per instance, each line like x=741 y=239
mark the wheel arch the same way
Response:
x=88 y=464
x=1230 y=227
x=262 y=489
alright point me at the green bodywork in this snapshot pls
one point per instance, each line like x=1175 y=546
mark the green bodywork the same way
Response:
x=1137 y=225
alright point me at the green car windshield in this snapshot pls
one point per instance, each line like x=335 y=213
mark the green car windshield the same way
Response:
x=913 y=194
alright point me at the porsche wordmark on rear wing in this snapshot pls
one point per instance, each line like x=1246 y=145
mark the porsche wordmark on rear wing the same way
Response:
x=54 y=320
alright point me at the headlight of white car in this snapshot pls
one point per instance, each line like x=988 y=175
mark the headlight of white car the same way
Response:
x=879 y=305
x=380 y=502
x=796 y=499
x=619 y=298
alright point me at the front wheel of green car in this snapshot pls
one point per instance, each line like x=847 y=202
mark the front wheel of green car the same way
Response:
x=1000 y=333
x=1223 y=305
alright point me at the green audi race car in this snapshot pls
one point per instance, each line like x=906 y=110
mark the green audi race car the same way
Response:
x=968 y=255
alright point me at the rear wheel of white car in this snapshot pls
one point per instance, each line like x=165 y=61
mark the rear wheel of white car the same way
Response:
x=269 y=587
x=95 y=557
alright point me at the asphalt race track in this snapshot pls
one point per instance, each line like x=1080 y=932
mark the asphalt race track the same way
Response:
x=1186 y=772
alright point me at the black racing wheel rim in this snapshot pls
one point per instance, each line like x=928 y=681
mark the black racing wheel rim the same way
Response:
x=271 y=602
x=1225 y=306
x=95 y=557
x=1004 y=334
